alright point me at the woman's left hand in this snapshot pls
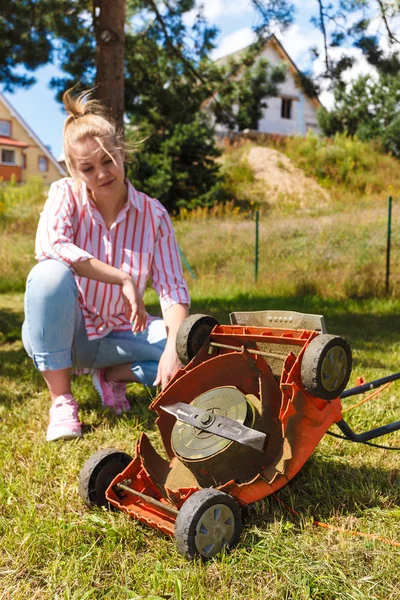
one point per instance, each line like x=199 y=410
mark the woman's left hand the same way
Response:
x=169 y=361
x=167 y=367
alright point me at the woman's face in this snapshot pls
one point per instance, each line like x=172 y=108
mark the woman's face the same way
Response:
x=101 y=169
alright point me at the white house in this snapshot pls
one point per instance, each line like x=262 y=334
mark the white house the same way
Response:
x=292 y=112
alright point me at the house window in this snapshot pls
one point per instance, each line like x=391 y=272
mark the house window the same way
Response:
x=43 y=164
x=8 y=157
x=286 y=108
x=5 y=128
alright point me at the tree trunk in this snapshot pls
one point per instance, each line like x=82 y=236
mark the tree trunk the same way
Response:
x=109 y=23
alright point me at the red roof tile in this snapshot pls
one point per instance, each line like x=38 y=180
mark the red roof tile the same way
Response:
x=6 y=141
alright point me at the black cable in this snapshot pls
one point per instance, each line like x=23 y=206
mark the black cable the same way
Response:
x=342 y=437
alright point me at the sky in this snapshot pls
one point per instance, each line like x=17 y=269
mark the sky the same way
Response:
x=233 y=18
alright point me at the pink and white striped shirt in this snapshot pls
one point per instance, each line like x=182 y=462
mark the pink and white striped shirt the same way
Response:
x=141 y=242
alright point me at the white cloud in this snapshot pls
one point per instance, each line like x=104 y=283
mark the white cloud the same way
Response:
x=296 y=41
x=215 y=10
x=235 y=41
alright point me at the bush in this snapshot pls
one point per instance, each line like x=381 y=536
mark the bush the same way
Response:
x=344 y=161
x=20 y=204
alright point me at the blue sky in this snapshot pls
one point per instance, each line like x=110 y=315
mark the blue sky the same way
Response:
x=234 y=19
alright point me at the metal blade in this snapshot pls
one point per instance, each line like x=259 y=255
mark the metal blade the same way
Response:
x=217 y=424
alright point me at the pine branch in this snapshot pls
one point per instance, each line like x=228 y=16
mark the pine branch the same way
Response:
x=391 y=37
x=183 y=58
x=323 y=29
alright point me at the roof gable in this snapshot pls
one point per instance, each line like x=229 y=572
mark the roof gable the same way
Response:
x=271 y=42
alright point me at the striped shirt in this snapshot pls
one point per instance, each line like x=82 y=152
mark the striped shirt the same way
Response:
x=140 y=242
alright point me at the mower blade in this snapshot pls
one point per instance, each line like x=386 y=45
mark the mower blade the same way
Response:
x=217 y=424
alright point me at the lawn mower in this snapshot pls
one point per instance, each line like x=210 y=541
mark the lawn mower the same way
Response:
x=237 y=423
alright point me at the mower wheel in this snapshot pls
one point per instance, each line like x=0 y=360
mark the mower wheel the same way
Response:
x=208 y=521
x=326 y=366
x=98 y=472
x=192 y=334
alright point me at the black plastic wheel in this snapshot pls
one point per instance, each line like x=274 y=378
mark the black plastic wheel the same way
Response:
x=192 y=334
x=208 y=521
x=326 y=366
x=98 y=472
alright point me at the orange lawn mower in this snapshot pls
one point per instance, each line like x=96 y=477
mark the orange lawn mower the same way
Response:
x=237 y=422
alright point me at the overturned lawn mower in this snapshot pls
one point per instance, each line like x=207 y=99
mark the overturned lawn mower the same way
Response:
x=237 y=423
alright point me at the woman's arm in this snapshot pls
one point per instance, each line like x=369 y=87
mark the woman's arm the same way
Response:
x=100 y=271
x=169 y=361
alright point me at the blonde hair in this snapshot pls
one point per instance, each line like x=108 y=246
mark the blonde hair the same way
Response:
x=87 y=118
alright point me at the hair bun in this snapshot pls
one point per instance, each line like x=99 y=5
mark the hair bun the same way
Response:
x=81 y=105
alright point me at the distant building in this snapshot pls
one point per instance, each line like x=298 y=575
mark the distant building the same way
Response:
x=22 y=154
x=290 y=113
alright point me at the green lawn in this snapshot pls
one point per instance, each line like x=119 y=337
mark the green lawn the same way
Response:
x=53 y=547
x=328 y=260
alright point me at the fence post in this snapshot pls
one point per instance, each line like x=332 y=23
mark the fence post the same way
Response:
x=184 y=259
x=387 y=286
x=256 y=249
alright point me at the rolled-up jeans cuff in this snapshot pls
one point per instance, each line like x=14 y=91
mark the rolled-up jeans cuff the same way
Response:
x=53 y=361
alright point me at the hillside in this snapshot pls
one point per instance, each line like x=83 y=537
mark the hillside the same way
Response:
x=308 y=172
x=282 y=180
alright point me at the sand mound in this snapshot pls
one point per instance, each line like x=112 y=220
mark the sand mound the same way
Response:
x=283 y=180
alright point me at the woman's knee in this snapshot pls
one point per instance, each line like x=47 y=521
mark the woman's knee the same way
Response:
x=51 y=277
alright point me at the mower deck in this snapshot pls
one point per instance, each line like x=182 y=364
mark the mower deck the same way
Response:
x=271 y=390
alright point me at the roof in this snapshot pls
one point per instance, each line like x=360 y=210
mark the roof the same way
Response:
x=7 y=141
x=32 y=134
x=273 y=41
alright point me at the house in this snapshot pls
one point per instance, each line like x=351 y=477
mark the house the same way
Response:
x=22 y=154
x=292 y=112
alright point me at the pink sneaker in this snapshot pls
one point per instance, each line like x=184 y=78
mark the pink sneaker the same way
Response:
x=64 y=423
x=112 y=393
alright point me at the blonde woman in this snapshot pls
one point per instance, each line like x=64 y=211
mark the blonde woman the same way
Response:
x=97 y=243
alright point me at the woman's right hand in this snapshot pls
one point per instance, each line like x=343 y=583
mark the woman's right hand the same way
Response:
x=134 y=305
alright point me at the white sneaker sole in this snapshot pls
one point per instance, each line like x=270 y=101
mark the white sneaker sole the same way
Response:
x=96 y=383
x=62 y=434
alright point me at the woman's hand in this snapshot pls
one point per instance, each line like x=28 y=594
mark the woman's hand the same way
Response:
x=168 y=366
x=134 y=305
x=100 y=271
x=169 y=361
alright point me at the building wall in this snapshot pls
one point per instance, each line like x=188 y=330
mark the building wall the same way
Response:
x=9 y=172
x=33 y=152
x=303 y=113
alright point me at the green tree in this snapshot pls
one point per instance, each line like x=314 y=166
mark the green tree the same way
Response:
x=166 y=99
x=30 y=33
x=168 y=77
x=358 y=23
x=244 y=87
x=368 y=109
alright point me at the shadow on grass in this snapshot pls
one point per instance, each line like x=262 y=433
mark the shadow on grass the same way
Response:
x=10 y=325
x=331 y=488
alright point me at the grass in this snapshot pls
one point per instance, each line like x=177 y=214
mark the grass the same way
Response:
x=53 y=547
x=328 y=260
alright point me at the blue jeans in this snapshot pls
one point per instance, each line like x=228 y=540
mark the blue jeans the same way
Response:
x=54 y=333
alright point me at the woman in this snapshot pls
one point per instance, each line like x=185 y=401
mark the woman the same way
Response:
x=97 y=242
